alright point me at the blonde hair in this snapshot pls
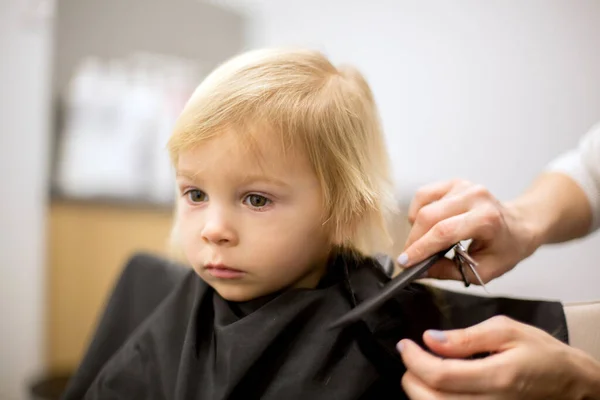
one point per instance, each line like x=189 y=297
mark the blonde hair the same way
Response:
x=327 y=112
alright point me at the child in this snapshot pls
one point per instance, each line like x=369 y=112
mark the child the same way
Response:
x=284 y=192
x=280 y=160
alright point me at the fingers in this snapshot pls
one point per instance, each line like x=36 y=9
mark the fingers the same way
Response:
x=482 y=224
x=430 y=214
x=434 y=205
x=440 y=237
x=428 y=194
x=416 y=389
x=493 y=335
x=448 y=375
x=511 y=370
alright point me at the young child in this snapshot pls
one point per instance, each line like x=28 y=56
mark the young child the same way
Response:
x=280 y=161
x=284 y=193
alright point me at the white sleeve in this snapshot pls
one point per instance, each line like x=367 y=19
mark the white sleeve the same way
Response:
x=582 y=164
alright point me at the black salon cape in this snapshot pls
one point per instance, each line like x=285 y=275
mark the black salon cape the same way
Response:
x=196 y=345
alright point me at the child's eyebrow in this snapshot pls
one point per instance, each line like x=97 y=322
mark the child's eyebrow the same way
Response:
x=186 y=174
x=248 y=179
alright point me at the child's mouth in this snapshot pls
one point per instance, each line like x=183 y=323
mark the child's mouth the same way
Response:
x=224 y=272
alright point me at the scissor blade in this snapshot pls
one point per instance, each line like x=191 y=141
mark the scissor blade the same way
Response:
x=474 y=270
x=471 y=263
x=389 y=291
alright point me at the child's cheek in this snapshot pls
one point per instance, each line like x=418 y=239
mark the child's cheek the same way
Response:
x=189 y=228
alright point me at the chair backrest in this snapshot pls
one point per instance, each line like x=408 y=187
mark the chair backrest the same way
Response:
x=583 y=323
x=146 y=280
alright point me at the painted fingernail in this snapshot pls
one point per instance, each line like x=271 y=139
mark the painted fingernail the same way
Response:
x=438 y=336
x=403 y=259
x=400 y=346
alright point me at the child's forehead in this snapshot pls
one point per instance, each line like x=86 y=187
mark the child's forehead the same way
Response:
x=256 y=153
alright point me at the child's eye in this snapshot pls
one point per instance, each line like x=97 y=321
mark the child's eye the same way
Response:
x=257 y=201
x=196 y=196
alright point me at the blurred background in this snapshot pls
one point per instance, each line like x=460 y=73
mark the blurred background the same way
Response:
x=89 y=89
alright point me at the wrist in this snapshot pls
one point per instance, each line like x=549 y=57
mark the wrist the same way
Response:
x=585 y=372
x=529 y=224
x=554 y=210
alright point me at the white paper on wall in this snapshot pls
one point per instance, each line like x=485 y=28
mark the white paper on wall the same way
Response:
x=119 y=116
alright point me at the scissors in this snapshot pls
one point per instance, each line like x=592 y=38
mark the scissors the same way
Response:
x=461 y=258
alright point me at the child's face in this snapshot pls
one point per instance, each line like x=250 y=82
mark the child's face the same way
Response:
x=250 y=231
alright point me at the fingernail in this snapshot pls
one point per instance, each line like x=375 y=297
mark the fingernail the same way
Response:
x=403 y=259
x=438 y=336
x=400 y=346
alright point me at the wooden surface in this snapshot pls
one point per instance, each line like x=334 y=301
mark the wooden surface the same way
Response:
x=88 y=247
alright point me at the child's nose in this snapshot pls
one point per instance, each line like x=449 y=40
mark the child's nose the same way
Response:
x=218 y=230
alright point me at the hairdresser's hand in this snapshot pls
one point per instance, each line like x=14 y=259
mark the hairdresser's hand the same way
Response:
x=445 y=213
x=526 y=363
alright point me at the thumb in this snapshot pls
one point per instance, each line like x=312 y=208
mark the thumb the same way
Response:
x=422 y=248
x=494 y=335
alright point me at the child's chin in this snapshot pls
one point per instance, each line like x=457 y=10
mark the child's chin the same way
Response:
x=236 y=294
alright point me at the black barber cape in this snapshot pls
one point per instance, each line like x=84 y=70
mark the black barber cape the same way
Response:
x=196 y=345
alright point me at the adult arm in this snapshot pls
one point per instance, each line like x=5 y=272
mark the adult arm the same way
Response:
x=561 y=205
